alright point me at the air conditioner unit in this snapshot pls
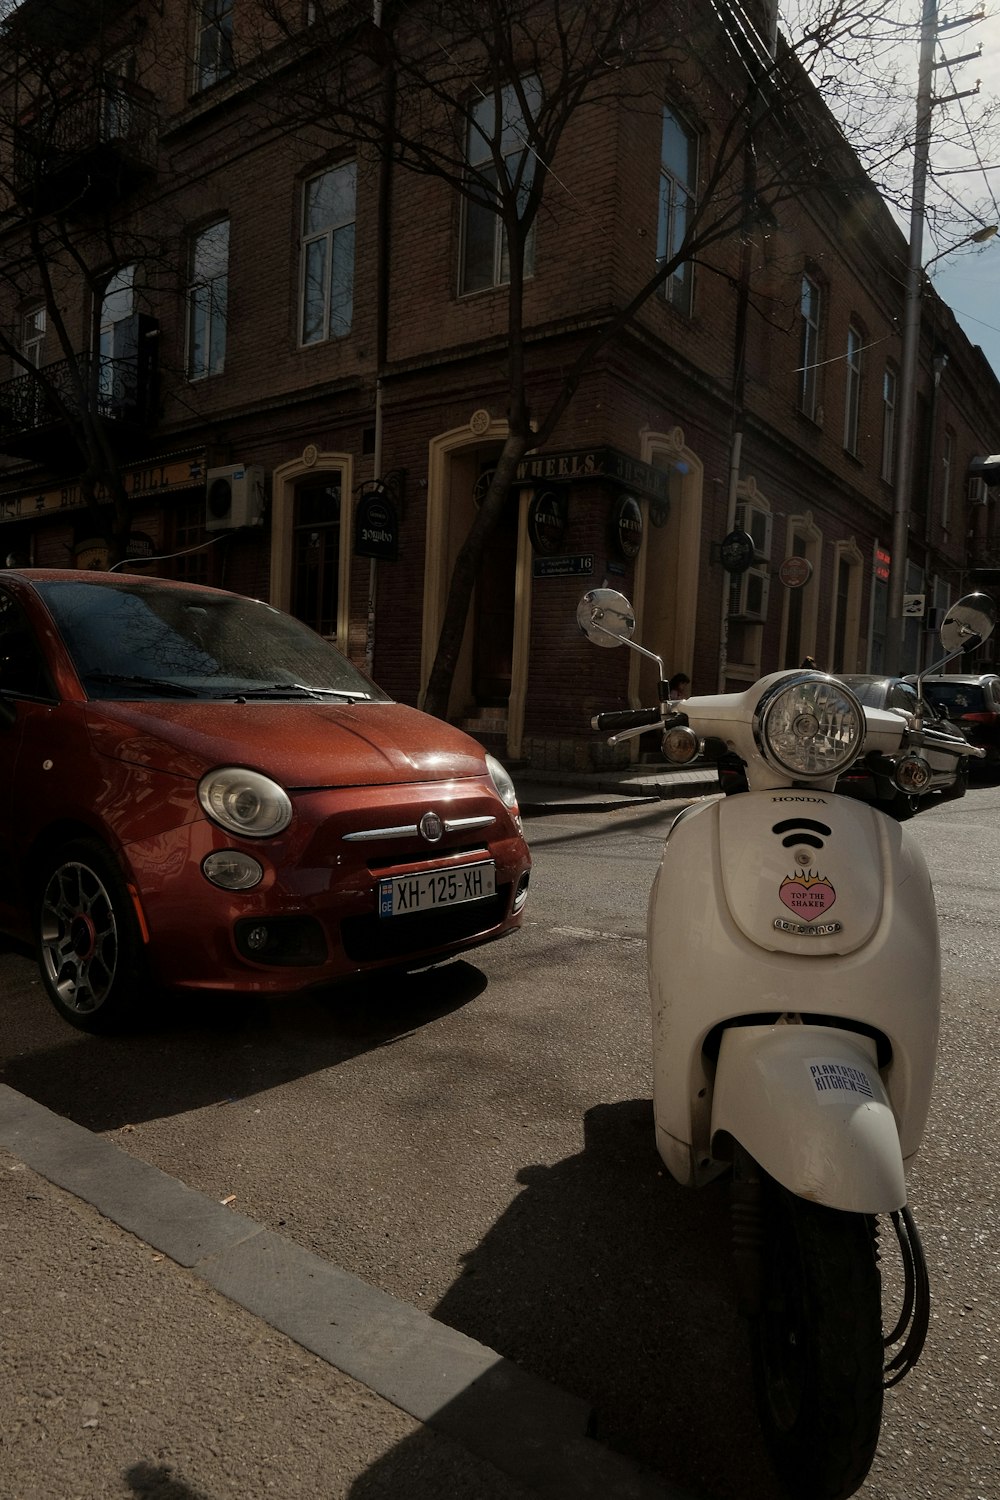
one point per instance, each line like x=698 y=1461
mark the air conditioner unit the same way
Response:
x=756 y=522
x=753 y=589
x=234 y=497
x=977 y=492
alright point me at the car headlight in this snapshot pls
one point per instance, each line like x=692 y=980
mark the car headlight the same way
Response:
x=245 y=802
x=809 y=727
x=502 y=782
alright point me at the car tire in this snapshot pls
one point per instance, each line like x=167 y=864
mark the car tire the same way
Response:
x=960 y=785
x=902 y=805
x=90 y=952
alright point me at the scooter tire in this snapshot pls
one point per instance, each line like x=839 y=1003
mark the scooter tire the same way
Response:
x=817 y=1346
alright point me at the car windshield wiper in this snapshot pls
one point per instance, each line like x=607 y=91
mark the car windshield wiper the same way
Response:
x=299 y=690
x=162 y=684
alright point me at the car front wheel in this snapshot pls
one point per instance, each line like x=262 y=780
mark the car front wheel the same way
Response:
x=89 y=945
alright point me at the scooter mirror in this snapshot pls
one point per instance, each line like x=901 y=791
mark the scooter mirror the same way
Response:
x=606 y=617
x=968 y=623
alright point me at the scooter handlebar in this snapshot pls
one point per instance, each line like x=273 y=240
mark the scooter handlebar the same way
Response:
x=627 y=718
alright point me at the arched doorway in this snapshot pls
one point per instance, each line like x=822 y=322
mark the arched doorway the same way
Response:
x=311 y=541
x=489 y=685
x=667 y=576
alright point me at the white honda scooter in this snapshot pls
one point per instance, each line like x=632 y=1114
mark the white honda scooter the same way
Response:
x=794 y=974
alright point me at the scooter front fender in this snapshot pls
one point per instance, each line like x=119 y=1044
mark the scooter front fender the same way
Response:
x=808 y=1105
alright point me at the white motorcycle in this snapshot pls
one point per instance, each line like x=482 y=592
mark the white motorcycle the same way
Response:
x=794 y=974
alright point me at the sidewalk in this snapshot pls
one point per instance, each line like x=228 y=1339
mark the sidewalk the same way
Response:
x=158 y=1344
x=540 y=792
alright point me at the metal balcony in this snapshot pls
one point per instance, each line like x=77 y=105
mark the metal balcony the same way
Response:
x=39 y=417
x=86 y=152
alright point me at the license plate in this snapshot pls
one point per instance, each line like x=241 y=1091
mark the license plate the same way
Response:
x=400 y=894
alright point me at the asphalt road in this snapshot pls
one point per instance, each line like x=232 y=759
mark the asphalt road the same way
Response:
x=478 y=1142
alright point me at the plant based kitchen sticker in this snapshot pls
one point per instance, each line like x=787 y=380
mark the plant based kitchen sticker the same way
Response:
x=808 y=896
x=833 y=1080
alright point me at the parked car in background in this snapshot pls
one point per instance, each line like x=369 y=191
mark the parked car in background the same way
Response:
x=949 y=773
x=973 y=702
x=199 y=791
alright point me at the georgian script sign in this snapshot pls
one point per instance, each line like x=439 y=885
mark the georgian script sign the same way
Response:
x=376 y=526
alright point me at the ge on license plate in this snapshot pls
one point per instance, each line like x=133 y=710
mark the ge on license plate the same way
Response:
x=400 y=894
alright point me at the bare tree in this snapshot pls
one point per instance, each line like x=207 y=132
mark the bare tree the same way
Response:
x=77 y=132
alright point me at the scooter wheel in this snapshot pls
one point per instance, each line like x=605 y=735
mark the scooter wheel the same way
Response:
x=817 y=1346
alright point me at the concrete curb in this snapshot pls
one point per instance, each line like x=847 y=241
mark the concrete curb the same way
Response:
x=527 y=1428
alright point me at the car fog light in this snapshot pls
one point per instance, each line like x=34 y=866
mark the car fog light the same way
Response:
x=256 y=938
x=232 y=870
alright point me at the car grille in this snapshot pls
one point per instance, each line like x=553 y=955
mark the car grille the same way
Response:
x=371 y=937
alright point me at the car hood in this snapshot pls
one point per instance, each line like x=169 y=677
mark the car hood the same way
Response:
x=299 y=744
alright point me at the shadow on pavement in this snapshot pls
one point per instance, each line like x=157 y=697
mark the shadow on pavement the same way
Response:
x=213 y=1049
x=612 y=1282
x=157 y=1482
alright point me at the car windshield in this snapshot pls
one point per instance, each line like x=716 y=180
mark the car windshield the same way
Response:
x=955 y=698
x=144 y=640
x=869 y=691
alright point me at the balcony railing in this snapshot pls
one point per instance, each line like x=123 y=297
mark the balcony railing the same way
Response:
x=38 y=416
x=94 y=145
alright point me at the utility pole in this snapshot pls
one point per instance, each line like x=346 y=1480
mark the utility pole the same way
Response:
x=930 y=28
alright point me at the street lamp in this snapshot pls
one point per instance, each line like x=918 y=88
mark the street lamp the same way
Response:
x=977 y=237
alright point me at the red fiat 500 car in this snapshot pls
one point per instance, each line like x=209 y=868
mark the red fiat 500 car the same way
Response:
x=200 y=791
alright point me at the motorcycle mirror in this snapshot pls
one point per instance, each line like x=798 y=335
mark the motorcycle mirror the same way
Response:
x=606 y=617
x=968 y=623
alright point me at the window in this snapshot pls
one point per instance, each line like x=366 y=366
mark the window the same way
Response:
x=22 y=666
x=117 y=306
x=810 y=309
x=328 y=254
x=889 y=425
x=485 y=257
x=678 y=173
x=116 y=97
x=207 y=296
x=213 y=42
x=33 y=335
x=852 y=396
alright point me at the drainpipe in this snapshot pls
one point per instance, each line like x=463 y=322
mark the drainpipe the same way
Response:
x=381 y=313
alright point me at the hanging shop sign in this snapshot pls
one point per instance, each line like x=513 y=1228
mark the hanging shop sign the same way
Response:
x=795 y=571
x=144 y=482
x=596 y=463
x=627 y=526
x=376 y=525
x=548 y=516
x=736 y=551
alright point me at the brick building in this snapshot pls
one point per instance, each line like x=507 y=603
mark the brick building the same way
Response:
x=298 y=359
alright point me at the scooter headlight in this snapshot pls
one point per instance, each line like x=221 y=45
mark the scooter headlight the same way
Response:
x=809 y=727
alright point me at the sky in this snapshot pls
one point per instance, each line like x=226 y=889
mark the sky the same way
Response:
x=969 y=280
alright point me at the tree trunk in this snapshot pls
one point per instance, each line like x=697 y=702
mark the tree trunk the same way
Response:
x=465 y=573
